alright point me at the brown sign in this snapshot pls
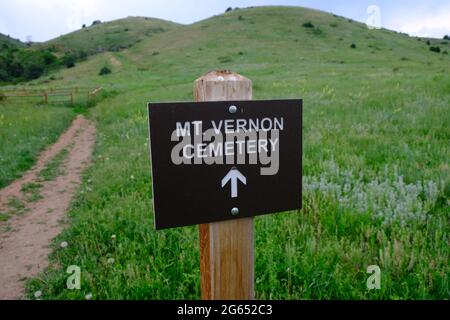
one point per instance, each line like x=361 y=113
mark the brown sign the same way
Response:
x=215 y=161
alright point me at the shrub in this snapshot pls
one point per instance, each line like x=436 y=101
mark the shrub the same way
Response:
x=4 y=76
x=2 y=97
x=33 y=71
x=69 y=60
x=48 y=57
x=228 y=9
x=435 y=49
x=155 y=53
x=446 y=37
x=445 y=52
x=240 y=18
x=104 y=71
x=428 y=42
x=308 y=25
x=334 y=25
x=353 y=46
x=83 y=26
x=82 y=55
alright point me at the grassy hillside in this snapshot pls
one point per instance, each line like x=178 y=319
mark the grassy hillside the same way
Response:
x=4 y=39
x=110 y=36
x=376 y=172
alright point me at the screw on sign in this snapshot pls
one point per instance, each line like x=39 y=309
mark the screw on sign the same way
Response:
x=220 y=161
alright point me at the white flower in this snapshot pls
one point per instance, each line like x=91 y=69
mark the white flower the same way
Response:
x=64 y=244
x=132 y=177
x=38 y=294
x=88 y=296
x=110 y=260
x=113 y=237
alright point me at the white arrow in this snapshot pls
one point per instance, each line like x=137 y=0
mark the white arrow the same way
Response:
x=234 y=175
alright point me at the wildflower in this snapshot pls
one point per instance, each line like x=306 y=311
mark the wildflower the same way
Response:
x=88 y=296
x=111 y=260
x=38 y=294
x=113 y=237
x=64 y=244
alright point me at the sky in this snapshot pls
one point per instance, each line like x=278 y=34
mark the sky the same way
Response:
x=41 y=20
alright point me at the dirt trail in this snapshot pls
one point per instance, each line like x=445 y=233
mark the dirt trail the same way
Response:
x=24 y=249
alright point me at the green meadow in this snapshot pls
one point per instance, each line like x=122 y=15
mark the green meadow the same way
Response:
x=375 y=160
x=25 y=130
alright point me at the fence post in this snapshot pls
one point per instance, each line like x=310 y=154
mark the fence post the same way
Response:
x=45 y=97
x=71 y=98
x=226 y=248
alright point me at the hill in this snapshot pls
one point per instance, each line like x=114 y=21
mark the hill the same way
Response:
x=376 y=173
x=110 y=36
x=4 y=39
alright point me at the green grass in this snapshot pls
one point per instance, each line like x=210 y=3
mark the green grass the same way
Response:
x=25 y=130
x=53 y=168
x=110 y=36
x=32 y=191
x=376 y=172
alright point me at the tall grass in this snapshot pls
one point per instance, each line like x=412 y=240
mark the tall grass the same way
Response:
x=25 y=130
x=376 y=172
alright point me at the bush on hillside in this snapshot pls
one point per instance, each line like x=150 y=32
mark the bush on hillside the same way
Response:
x=4 y=77
x=2 y=96
x=353 y=46
x=435 y=49
x=446 y=37
x=69 y=60
x=104 y=71
x=229 y=9
x=308 y=25
x=33 y=71
x=82 y=55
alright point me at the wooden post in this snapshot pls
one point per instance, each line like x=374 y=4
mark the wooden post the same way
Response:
x=71 y=98
x=45 y=97
x=226 y=248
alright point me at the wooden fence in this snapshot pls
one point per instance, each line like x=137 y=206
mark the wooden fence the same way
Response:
x=50 y=95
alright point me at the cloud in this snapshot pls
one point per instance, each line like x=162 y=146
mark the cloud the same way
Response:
x=424 y=23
